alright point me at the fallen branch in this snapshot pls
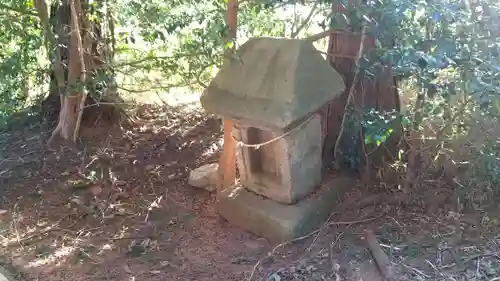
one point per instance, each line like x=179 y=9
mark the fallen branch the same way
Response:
x=348 y=223
x=351 y=94
x=381 y=259
x=304 y=237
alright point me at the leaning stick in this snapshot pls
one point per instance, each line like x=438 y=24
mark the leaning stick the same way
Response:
x=351 y=93
x=381 y=259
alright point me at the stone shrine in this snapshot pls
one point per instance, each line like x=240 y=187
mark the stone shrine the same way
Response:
x=285 y=170
x=272 y=91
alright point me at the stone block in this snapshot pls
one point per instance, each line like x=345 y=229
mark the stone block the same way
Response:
x=5 y=275
x=285 y=170
x=204 y=177
x=279 y=222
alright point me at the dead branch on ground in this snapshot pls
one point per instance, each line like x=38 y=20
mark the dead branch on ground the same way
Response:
x=270 y=254
x=381 y=259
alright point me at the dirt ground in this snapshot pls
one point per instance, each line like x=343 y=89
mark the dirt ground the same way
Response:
x=59 y=222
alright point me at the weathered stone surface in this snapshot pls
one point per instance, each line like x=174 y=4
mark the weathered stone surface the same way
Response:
x=5 y=275
x=278 y=222
x=285 y=170
x=204 y=176
x=273 y=82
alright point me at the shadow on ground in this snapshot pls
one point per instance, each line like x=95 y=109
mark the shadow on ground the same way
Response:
x=61 y=222
x=150 y=224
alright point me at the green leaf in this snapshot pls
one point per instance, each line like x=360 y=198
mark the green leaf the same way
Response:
x=230 y=45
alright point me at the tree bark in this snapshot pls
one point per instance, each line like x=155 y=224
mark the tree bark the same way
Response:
x=81 y=36
x=76 y=14
x=70 y=100
x=57 y=75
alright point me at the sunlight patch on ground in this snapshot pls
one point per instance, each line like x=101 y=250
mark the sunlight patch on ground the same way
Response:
x=214 y=148
x=174 y=97
x=28 y=233
x=62 y=252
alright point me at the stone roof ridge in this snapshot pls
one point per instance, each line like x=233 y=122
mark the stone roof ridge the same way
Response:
x=274 y=81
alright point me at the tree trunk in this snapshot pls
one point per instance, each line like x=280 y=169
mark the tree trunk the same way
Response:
x=76 y=48
x=71 y=105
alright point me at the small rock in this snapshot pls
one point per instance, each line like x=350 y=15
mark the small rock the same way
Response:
x=127 y=269
x=164 y=263
x=3 y=215
x=242 y=260
x=204 y=177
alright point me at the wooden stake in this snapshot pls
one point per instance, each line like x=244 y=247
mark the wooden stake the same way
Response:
x=226 y=174
x=227 y=164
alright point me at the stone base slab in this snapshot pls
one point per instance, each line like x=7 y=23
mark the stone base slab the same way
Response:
x=279 y=222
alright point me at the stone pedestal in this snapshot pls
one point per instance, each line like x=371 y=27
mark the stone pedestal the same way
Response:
x=279 y=222
x=284 y=170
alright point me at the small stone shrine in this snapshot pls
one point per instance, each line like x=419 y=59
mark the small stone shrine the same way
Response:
x=272 y=91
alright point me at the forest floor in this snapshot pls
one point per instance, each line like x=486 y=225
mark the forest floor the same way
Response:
x=153 y=226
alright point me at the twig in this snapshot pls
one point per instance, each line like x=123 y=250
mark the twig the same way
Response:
x=484 y=255
x=355 y=222
x=83 y=68
x=331 y=246
x=379 y=256
x=324 y=225
x=306 y=21
x=326 y=33
x=434 y=267
x=16 y=230
x=302 y=238
x=348 y=223
x=458 y=113
x=51 y=228
x=276 y=248
x=90 y=257
x=416 y=271
x=350 y=96
x=128 y=238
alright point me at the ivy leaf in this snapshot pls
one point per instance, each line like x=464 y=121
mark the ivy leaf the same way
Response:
x=229 y=45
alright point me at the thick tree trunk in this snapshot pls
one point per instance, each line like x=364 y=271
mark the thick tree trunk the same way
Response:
x=69 y=116
x=76 y=48
x=57 y=55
